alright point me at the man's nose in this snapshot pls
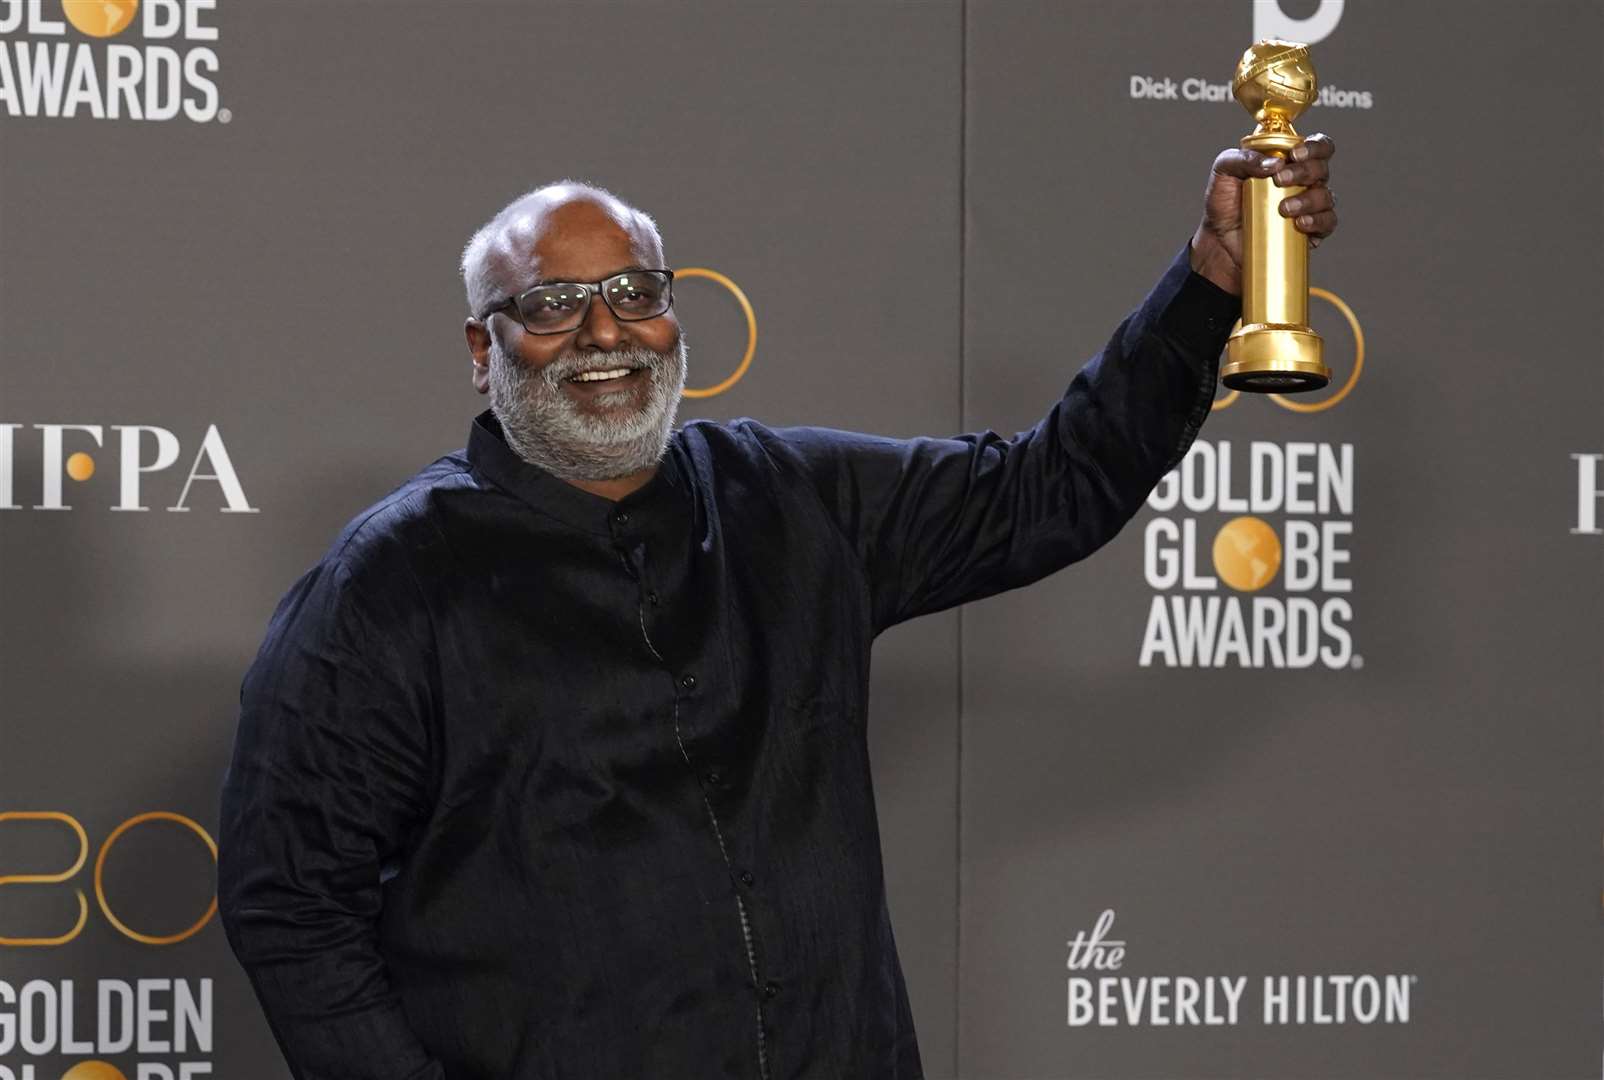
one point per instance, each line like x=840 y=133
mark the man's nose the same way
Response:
x=600 y=330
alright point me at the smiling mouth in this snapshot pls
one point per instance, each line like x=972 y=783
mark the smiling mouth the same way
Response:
x=603 y=375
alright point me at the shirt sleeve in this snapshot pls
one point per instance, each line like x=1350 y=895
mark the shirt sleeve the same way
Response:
x=942 y=521
x=328 y=776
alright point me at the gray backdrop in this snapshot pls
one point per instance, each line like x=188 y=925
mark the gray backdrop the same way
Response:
x=279 y=262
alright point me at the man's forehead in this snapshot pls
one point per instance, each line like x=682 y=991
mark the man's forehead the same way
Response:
x=568 y=235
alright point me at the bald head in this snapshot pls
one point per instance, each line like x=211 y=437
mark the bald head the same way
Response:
x=501 y=258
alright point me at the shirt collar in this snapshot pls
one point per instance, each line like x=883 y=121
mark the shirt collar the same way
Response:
x=660 y=501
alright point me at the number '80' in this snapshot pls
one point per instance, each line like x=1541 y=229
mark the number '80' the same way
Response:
x=123 y=928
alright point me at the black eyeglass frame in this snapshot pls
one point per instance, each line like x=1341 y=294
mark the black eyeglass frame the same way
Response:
x=592 y=289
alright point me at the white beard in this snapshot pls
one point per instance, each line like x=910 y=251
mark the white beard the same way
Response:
x=545 y=427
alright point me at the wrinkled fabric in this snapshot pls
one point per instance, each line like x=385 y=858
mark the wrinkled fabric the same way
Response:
x=534 y=785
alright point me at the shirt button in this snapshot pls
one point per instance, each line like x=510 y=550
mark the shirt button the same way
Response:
x=746 y=877
x=688 y=681
x=769 y=989
x=651 y=597
x=712 y=777
x=623 y=519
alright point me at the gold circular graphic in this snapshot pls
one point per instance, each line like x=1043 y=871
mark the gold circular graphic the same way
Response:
x=48 y=879
x=1358 y=360
x=1353 y=375
x=93 y=1070
x=80 y=466
x=751 y=330
x=1247 y=553
x=100 y=866
x=1229 y=399
x=100 y=18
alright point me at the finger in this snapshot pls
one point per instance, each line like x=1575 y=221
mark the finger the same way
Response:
x=1245 y=164
x=1318 y=145
x=1320 y=224
x=1308 y=201
x=1303 y=173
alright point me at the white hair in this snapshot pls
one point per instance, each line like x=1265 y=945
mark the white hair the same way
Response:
x=480 y=279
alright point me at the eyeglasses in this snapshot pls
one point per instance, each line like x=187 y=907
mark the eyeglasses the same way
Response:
x=561 y=306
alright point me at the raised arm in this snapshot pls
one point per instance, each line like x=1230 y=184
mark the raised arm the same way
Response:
x=330 y=771
x=937 y=522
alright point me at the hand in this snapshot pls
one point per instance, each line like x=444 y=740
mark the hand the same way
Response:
x=1217 y=244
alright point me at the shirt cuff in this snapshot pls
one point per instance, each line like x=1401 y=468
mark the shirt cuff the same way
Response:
x=1198 y=319
x=1200 y=314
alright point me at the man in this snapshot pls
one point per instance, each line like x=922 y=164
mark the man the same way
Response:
x=555 y=765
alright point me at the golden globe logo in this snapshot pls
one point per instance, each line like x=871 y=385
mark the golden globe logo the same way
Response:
x=1248 y=558
x=110 y=59
x=1288 y=521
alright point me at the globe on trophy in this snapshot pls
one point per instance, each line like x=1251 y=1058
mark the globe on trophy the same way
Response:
x=1274 y=351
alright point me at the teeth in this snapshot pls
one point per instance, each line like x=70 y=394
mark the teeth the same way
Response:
x=597 y=376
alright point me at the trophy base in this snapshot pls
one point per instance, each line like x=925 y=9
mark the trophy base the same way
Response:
x=1274 y=359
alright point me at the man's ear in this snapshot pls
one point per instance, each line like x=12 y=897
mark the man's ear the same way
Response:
x=478 y=335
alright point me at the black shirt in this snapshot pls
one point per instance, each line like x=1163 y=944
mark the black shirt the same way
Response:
x=532 y=784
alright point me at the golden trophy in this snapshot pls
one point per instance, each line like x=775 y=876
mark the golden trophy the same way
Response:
x=1274 y=351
